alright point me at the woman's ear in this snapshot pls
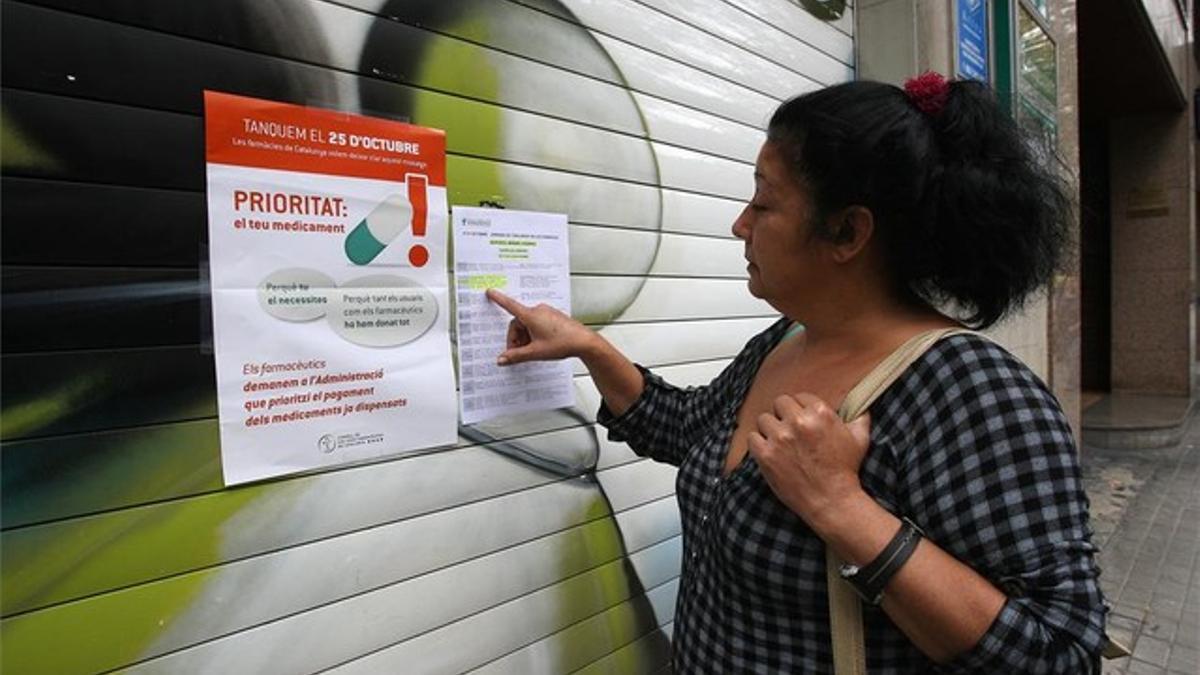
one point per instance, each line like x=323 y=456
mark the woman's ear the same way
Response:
x=852 y=229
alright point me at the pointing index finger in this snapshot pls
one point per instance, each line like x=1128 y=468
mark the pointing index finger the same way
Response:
x=506 y=303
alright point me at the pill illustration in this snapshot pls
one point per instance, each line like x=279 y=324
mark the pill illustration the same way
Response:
x=388 y=220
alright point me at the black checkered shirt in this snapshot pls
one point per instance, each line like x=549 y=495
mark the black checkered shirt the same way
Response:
x=968 y=443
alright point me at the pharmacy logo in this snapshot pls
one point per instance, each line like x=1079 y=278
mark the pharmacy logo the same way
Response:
x=327 y=443
x=388 y=220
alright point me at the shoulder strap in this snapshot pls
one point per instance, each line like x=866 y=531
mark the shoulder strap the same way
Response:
x=890 y=369
x=845 y=610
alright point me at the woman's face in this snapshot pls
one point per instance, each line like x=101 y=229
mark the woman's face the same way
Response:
x=776 y=226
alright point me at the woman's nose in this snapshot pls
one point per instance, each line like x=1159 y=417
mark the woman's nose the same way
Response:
x=741 y=225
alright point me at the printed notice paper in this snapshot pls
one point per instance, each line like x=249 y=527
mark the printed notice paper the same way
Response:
x=327 y=236
x=524 y=255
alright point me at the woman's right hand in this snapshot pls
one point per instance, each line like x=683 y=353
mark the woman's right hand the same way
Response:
x=540 y=333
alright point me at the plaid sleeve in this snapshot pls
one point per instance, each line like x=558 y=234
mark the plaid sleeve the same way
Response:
x=665 y=421
x=997 y=484
x=660 y=423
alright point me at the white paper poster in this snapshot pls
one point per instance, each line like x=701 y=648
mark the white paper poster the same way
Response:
x=327 y=237
x=524 y=255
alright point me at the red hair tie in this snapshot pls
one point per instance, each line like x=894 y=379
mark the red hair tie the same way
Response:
x=928 y=91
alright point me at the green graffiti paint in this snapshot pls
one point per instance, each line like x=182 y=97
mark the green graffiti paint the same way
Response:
x=19 y=152
x=57 y=478
x=599 y=540
x=97 y=634
x=92 y=556
x=588 y=646
x=63 y=561
x=473 y=181
x=471 y=129
x=111 y=629
x=474 y=132
x=493 y=131
x=86 y=558
x=28 y=417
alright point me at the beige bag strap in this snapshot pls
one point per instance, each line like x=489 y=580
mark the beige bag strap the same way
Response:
x=845 y=622
x=889 y=370
x=845 y=610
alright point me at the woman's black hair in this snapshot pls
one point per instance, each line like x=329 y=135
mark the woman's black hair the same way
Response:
x=968 y=210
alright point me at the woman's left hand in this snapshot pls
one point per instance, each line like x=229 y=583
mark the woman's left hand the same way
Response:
x=809 y=457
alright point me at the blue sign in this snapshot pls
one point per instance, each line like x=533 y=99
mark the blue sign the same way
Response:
x=972 y=39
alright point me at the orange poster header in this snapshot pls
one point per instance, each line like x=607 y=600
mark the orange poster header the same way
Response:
x=271 y=135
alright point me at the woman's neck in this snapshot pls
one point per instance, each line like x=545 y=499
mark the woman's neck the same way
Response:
x=866 y=324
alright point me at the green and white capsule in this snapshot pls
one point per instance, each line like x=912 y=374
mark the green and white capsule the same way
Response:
x=383 y=224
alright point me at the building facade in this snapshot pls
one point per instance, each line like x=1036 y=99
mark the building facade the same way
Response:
x=1110 y=86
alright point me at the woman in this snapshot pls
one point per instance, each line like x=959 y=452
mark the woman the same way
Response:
x=872 y=207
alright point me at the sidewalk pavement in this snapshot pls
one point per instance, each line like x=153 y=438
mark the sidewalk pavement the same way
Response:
x=1145 y=508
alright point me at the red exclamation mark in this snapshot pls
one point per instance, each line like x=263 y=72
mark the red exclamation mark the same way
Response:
x=418 y=255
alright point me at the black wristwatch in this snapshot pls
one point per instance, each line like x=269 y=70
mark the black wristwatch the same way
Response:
x=870 y=580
